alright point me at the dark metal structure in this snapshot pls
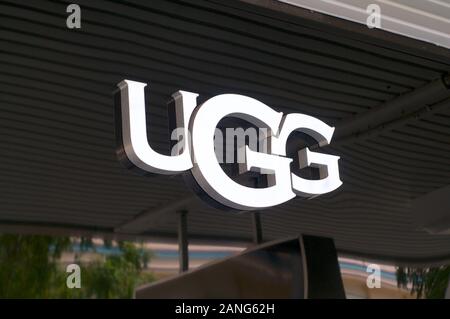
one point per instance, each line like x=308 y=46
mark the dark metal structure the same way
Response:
x=303 y=267
x=388 y=96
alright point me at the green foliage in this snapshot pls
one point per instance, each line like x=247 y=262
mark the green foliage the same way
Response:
x=430 y=283
x=114 y=277
x=29 y=268
x=27 y=265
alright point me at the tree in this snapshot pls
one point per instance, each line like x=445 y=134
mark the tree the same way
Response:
x=27 y=264
x=114 y=277
x=430 y=283
x=30 y=268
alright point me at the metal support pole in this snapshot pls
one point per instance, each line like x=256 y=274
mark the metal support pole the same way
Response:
x=256 y=220
x=183 y=252
x=257 y=228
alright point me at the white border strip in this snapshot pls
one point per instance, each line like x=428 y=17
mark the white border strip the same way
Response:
x=398 y=18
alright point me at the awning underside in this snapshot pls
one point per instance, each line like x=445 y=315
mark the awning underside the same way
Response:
x=59 y=167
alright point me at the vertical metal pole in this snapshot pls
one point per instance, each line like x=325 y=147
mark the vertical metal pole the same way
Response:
x=257 y=228
x=256 y=221
x=183 y=253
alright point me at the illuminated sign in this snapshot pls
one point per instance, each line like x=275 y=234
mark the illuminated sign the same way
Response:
x=196 y=150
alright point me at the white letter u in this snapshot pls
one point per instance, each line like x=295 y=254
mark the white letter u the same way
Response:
x=134 y=130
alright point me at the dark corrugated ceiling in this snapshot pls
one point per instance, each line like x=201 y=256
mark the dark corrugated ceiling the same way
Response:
x=58 y=163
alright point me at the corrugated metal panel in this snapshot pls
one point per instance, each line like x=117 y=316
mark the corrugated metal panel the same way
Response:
x=426 y=20
x=58 y=163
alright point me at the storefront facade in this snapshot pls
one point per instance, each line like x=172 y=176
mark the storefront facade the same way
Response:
x=387 y=96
